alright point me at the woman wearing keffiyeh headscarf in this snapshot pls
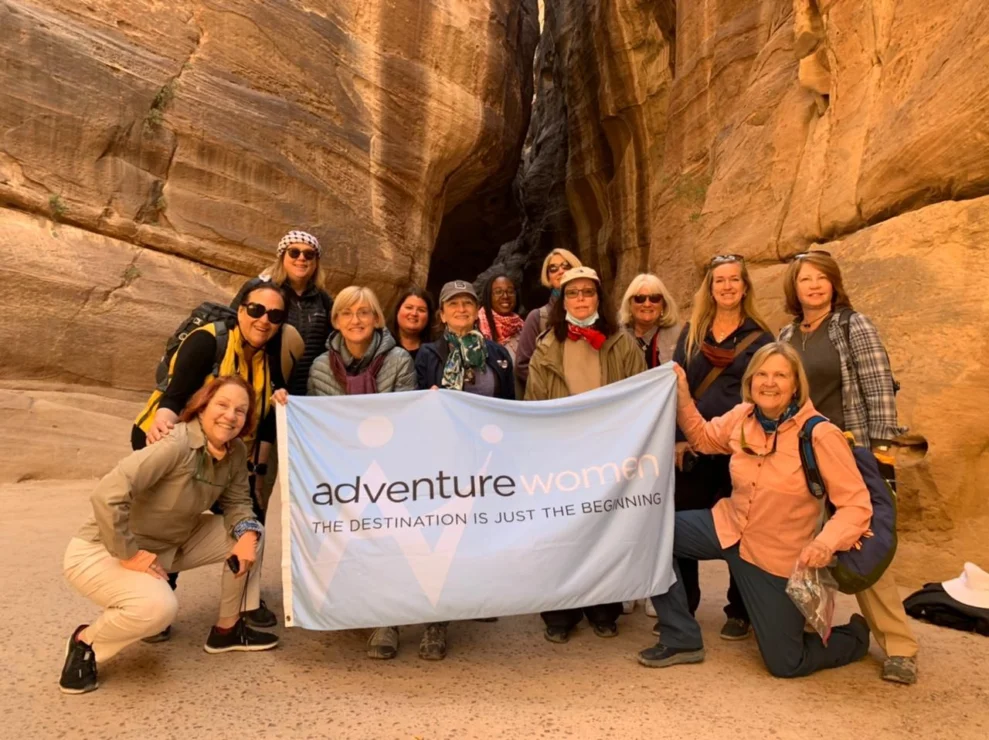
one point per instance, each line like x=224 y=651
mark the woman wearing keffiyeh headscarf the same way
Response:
x=583 y=349
x=460 y=360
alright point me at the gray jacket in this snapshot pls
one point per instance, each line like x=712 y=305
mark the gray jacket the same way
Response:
x=396 y=374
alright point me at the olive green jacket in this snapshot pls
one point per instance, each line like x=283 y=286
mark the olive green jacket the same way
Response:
x=620 y=358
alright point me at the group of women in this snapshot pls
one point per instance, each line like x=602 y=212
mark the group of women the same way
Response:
x=203 y=443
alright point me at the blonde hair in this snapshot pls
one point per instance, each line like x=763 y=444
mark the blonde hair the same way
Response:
x=558 y=252
x=704 y=309
x=759 y=359
x=350 y=297
x=670 y=315
x=276 y=273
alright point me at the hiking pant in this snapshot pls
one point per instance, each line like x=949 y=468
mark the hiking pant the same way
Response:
x=138 y=605
x=787 y=650
x=602 y=614
x=883 y=610
x=701 y=488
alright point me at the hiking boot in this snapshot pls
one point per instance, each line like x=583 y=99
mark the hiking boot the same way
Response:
x=628 y=607
x=900 y=669
x=559 y=635
x=383 y=644
x=260 y=617
x=239 y=638
x=660 y=656
x=650 y=609
x=79 y=671
x=736 y=629
x=433 y=644
x=164 y=636
x=607 y=629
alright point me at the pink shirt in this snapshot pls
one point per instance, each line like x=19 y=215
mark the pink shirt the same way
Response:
x=771 y=513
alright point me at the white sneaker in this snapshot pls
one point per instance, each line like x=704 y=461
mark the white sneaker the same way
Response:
x=628 y=607
x=650 y=609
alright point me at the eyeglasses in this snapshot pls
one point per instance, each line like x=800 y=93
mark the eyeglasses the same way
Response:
x=562 y=267
x=749 y=451
x=257 y=310
x=364 y=314
x=809 y=252
x=307 y=254
x=585 y=292
x=506 y=293
x=720 y=259
x=652 y=298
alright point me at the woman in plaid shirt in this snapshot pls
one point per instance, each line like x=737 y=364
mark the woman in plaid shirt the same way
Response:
x=852 y=384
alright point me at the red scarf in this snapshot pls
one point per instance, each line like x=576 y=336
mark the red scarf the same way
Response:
x=594 y=338
x=508 y=326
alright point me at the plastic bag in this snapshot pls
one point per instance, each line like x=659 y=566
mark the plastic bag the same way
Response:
x=813 y=591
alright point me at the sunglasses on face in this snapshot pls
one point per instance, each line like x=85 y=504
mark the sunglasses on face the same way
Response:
x=307 y=254
x=652 y=298
x=257 y=310
x=809 y=252
x=721 y=259
x=562 y=267
x=585 y=292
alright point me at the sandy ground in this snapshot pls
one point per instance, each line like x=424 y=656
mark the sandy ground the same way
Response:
x=500 y=680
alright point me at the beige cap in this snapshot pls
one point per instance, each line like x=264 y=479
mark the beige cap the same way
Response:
x=577 y=273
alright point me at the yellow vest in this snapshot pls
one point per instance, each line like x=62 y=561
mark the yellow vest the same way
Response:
x=256 y=373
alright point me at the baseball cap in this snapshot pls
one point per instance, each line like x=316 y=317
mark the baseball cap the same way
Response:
x=457 y=287
x=575 y=273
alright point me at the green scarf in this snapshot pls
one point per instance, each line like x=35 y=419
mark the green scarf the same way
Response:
x=467 y=355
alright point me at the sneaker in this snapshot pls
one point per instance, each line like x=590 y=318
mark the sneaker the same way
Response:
x=650 y=609
x=433 y=644
x=736 y=629
x=240 y=638
x=164 y=636
x=383 y=644
x=628 y=607
x=660 y=656
x=900 y=669
x=260 y=617
x=559 y=635
x=609 y=629
x=79 y=671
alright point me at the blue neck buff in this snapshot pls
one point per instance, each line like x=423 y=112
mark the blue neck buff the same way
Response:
x=771 y=425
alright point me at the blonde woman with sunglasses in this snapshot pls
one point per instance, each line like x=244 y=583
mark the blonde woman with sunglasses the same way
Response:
x=649 y=314
x=715 y=347
x=769 y=524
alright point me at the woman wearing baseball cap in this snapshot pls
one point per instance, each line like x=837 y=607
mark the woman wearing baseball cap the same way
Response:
x=583 y=349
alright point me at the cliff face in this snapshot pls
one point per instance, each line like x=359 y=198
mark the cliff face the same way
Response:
x=765 y=128
x=152 y=154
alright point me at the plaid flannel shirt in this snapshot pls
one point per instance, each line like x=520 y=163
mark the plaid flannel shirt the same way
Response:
x=867 y=397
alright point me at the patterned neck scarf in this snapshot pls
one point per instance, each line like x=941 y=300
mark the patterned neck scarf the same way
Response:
x=468 y=355
x=771 y=425
x=508 y=326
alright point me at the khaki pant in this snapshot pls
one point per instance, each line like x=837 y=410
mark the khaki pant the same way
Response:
x=882 y=608
x=138 y=604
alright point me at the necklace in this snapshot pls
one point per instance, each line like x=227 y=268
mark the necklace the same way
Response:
x=719 y=335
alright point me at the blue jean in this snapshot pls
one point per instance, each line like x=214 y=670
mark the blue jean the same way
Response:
x=787 y=650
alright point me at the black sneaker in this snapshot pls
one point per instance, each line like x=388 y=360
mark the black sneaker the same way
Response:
x=240 y=638
x=260 y=617
x=164 y=636
x=559 y=635
x=79 y=671
x=609 y=629
x=660 y=656
x=736 y=629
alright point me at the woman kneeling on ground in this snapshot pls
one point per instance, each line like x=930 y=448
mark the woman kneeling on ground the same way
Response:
x=768 y=524
x=148 y=520
x=583 y=349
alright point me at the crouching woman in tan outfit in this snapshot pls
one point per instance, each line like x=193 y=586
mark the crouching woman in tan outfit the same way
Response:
x=148 y=519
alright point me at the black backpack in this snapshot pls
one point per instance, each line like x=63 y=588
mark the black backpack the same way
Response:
x=205 y=313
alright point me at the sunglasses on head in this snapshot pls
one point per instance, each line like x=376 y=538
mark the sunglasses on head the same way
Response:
x=307 y=254
x=720 y=259
x=652 y=298
x=257 y=310
x=562 y=267
x=809 y=252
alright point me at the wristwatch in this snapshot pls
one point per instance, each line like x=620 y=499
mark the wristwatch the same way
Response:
x=259 y=469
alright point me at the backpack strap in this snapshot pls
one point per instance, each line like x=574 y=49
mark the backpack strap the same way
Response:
x=808 y=460
x=222 y=333
x=716 y=371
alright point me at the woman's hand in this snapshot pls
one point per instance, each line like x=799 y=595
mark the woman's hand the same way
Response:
x=246 y=551
x=145 y=562
x=815 y=555
x=162 y=424
x=683 y=387
x=280 y=397
x=681 y=449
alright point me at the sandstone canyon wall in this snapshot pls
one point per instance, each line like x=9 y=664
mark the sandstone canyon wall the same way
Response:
x=765 y=127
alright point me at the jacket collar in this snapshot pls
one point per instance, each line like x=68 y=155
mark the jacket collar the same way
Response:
x=799 y=419
x=194 y=431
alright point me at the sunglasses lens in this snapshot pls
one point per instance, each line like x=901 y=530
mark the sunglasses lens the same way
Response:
x=255 y=310
x=276 y=315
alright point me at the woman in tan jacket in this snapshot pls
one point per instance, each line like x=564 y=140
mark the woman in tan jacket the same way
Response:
x=582 y=349
x=148 y=520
